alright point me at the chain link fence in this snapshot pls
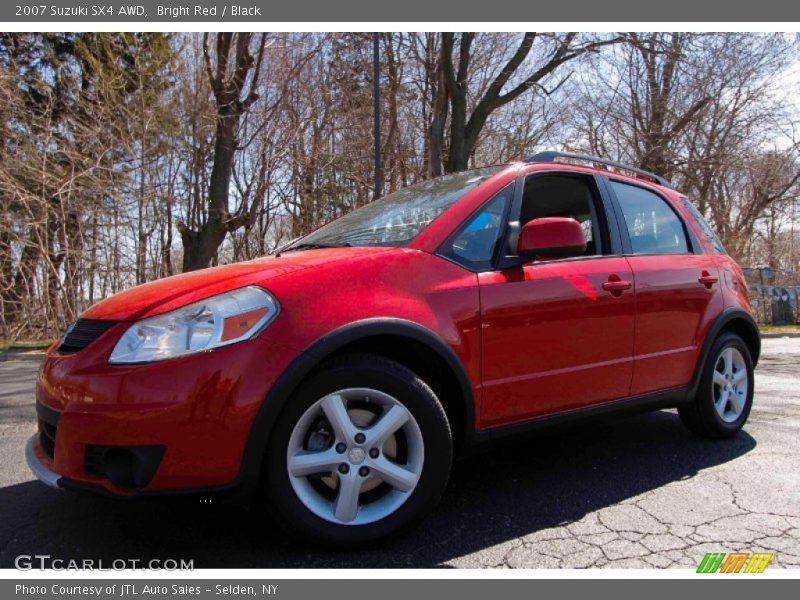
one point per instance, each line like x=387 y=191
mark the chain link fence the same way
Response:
x=774 y=294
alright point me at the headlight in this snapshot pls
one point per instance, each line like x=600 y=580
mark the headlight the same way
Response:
x=217 y=321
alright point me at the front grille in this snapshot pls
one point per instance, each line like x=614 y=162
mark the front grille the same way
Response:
x=49 y=426
x=82 y=333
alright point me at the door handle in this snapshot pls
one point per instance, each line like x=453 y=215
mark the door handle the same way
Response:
x=616 y=286
x=707 y=279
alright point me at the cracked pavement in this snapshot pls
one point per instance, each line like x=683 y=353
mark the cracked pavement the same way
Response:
x=635 y=492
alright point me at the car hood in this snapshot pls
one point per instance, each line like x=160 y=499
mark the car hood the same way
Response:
x=167 y=294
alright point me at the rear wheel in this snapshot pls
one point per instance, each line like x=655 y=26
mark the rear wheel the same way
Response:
x=361 y=450
x=725 y=394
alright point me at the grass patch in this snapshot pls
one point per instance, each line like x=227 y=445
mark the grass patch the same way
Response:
x=795 y=328
x=29 y=345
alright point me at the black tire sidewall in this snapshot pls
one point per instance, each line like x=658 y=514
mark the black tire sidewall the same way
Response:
x=390 y=378
x=705 y=396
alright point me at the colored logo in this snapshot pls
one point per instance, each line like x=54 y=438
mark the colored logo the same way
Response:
x=735 y=562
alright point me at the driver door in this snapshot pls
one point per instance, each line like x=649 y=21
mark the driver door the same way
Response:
x=555 y=335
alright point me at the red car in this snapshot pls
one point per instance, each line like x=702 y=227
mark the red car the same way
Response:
x=337 y=379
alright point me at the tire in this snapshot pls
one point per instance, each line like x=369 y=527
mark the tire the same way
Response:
x=703 y=416
x=318 y=505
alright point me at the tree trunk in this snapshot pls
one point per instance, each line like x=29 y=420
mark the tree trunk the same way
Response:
x=439 y=113
x=199 y=247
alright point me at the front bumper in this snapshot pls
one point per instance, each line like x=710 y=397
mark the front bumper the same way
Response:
x=38 y=467
x=190 y=417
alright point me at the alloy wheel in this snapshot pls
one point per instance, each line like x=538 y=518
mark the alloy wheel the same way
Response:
x=355 y=456
x=730 y=384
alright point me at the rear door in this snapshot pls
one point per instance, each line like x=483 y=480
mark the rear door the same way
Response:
x=677 y=288
x=557 y=334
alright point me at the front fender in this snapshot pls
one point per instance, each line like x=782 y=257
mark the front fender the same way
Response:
x=327 y=346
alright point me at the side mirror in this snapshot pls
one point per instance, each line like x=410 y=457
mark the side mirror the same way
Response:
x=551 y=236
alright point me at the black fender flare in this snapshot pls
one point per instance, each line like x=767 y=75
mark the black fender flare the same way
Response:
x=725 y=319
x=311 y=357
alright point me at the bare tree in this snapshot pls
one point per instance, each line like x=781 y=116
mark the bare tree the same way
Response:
x=466 y=125
x=233 y=73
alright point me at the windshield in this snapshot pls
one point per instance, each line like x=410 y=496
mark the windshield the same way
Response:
x=398 y=218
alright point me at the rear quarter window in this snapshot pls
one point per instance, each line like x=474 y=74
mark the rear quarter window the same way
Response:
x=704 y=226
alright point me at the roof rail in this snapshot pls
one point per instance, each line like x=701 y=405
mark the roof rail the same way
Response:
x=553 y=156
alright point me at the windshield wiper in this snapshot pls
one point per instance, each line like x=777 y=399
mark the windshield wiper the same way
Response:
x=312 y=246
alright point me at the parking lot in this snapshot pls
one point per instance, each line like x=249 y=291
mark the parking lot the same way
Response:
x=640 y=492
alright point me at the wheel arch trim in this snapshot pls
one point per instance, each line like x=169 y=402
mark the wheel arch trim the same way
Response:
x=726 y=318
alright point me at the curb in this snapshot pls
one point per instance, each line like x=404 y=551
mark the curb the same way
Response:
x=778 y=334
x=11 y=355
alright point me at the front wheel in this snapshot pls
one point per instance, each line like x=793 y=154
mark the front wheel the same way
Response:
x=725 y=393
x=360 y=451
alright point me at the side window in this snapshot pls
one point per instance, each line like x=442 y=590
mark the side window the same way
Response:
x=474 y=244
x=653 y=226
x=563 y=195
x=715 y=241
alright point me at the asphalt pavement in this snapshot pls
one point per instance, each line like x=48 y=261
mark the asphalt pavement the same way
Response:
x=637 y=492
